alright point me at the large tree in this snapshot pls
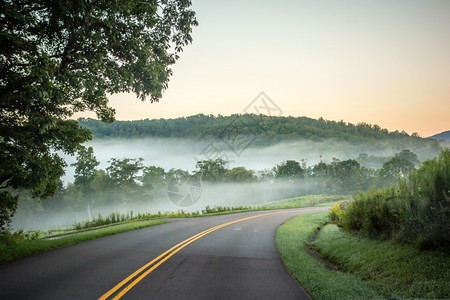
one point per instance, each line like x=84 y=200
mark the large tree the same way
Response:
x=289 y=169
x=62 y=57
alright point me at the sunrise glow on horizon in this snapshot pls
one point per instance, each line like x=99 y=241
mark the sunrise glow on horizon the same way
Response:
x=378 y=62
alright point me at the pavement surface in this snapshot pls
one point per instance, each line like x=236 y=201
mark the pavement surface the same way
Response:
x=233 y=257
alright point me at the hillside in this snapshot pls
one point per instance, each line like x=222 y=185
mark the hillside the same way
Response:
x=441 y=136
x=269 y=127
x=267 y=131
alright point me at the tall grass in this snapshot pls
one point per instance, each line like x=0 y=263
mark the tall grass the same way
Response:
x=117 y=217
x=416 y=211
x=395 y=270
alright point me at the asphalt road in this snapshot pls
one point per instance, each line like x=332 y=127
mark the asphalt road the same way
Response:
x=237 y=260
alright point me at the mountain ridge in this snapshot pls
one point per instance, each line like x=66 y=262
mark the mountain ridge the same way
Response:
x=445 y=135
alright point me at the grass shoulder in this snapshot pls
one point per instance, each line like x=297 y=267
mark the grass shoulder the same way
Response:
x=306 y=201
x=318 y=281
x=15 y=246
x=368 y=269
x=396 y=270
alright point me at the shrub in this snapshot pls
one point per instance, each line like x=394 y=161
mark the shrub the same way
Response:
x=376 y=212
x=416 y=211
x=427 y=220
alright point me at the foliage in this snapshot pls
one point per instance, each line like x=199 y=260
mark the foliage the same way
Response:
x=211 y=170
x=270 y=130
x=427 y=211
x=8 y=206
x=60 y=58
x=239 y=174
x=153 y=177
x=340 y=177
x=376 y=212
x=124 y=172
x=417 y=211
x=395 y=168
x=85 y=167
x=289 y=169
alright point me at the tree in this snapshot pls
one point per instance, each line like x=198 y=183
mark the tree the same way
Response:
x=409 y=156
x=347 y=176
x=84 y=175
x=85 y=168
x=240 y=174
x=124 y=172
x=62 y=57
x=212 y=170
x=153 y=177
x=395 y=168
x=289 y=169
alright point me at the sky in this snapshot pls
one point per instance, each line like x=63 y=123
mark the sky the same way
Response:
x=384 y=62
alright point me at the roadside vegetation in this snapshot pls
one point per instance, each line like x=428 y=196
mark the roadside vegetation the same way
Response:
x=318 y=281
x=395 y=270
x=19 y=244
x=394 y=241
x=306 y=201
x=367 y=268
x=416 y=211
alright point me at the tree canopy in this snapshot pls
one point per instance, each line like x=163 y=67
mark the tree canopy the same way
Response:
x=268 y=129
x=62 y=57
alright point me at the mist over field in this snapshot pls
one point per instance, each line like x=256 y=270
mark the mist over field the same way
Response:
x=206 y=195
x=183 y=154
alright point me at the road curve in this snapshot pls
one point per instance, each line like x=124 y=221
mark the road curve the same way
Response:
x=235 y=257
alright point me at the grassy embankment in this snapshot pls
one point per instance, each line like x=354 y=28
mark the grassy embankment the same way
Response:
x=368 y=269
x=15 y=245
x=20 y=244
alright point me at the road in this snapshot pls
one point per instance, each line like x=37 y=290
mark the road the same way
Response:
x=221 y=257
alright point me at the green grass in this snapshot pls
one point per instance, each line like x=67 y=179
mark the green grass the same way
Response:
x=395 y=270
x=13 y=246
x=317 y=280
x=305 y=201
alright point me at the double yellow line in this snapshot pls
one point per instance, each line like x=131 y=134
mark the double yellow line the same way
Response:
x=128 y=283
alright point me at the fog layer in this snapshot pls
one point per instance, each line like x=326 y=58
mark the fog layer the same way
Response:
x=184 y=154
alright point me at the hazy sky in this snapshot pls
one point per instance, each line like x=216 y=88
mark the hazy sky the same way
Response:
x=384 y=62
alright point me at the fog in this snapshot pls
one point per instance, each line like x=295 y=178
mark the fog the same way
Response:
x=30 y=216
x=184 y=154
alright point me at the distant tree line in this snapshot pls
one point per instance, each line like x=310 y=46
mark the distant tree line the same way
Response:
x=270 y=129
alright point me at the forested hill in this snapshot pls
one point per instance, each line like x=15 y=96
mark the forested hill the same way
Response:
x=268 y=129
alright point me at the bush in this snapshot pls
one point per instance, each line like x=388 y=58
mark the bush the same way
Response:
x=376 y=212
x=427 y=219
x=416 y=211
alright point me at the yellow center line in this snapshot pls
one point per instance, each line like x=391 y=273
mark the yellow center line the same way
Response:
x=165 y=256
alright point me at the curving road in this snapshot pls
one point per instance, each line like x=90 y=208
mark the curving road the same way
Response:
x=222 y=257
